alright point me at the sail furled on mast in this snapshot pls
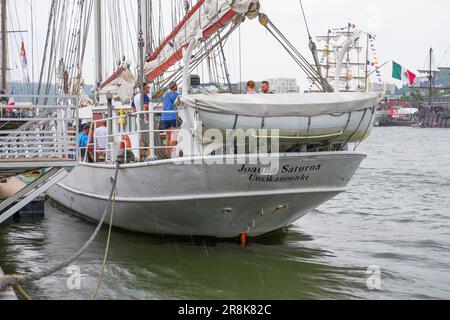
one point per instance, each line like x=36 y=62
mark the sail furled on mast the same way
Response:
x=202 y=21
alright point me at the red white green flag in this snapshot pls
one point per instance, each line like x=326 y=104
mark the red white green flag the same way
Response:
x=401 y=73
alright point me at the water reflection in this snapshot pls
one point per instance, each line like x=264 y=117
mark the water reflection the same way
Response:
x=277 y=266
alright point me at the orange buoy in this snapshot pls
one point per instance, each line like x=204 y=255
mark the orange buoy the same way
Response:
x=243 y=239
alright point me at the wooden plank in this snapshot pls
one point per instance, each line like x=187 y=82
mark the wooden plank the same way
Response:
x=9 y=294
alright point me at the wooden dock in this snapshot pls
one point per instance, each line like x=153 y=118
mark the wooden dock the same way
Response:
x=9 y=295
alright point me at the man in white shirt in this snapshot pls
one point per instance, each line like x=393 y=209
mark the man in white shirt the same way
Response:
x=101 y=140
x=136 y=105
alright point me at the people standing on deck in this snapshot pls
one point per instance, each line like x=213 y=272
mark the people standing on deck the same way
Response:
x=84 y=145
x=251 y=87
x=169 y=116
x=101 y=141
x=265 y=87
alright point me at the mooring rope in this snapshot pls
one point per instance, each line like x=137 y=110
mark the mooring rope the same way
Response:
x=105 y=258
x=20 y=279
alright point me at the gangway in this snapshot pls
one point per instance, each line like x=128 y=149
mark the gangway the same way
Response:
x=46 y=142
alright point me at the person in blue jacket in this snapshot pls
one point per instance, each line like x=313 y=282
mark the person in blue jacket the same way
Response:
x=83 y=143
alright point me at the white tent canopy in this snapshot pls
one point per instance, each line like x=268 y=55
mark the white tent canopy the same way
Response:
x=407 y=111
x=279 y=105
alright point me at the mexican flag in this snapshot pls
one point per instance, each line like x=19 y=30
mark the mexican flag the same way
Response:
x=401 y=73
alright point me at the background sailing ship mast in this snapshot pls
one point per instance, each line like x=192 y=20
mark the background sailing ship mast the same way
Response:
x=355 y=76
x=429 y=75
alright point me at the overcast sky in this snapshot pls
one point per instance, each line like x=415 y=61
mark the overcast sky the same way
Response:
x=405 y=31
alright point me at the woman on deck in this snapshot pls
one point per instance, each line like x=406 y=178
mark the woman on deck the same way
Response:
x=169 y=116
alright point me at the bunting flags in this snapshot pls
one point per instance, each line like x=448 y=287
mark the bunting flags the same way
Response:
x=374 y=62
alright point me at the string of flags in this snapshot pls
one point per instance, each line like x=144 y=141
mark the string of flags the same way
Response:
x=374 y=63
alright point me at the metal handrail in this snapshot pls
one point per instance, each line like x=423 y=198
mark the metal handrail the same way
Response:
x=45 y=130
x=137 y=116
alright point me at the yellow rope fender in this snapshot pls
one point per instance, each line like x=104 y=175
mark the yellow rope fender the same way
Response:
x=122 y=121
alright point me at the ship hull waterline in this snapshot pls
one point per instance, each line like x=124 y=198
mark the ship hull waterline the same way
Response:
x=212 y=200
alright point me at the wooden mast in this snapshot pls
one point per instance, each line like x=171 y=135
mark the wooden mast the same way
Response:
x=98 y=43
x=4 y=45
x=430 y=79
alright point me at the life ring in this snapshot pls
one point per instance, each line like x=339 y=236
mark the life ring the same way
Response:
x=126 y=141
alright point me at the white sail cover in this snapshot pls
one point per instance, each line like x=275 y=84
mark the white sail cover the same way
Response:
x=122 y=87
x=209 y=13
x=280 y=105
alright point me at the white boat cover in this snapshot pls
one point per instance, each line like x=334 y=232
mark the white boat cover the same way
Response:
x=280 y=105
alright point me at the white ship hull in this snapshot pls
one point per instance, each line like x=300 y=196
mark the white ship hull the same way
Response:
x=215 y=200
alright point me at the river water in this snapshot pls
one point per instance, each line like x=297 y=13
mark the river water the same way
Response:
x=388 y=237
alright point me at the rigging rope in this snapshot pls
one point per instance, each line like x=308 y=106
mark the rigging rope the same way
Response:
x=302 y=62
x=108 y=241
x=304 y=18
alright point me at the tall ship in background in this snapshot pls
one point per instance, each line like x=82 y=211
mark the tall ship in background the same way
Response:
x=423 y=102
x=434 y=109
x=360 y=64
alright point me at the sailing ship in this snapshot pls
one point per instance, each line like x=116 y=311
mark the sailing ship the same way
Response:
x=359 y=62
x=296 y=152
x=436 y=112
x=427 y=106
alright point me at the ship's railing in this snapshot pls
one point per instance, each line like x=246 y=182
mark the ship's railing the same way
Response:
x=120 y=129
x=38 y=127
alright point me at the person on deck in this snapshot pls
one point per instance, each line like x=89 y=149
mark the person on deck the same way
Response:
x=169 y=117
x=136 y=104
x=251 y=87
x=83 y=143
x=101 y=141
x=143 y=121
x=265 y=87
